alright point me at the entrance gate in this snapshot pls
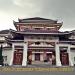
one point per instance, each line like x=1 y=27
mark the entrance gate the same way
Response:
x=64 y=58
x=18 y=57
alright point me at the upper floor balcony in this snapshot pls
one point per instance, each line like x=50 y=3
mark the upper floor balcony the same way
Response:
x=46 y=38
x=41 y=31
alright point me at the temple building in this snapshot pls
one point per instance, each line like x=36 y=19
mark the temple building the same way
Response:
x=38 y=41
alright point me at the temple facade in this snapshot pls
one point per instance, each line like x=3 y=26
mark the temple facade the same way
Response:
x=39 y=41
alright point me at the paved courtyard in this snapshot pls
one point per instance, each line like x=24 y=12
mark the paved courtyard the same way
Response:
x=37 y=71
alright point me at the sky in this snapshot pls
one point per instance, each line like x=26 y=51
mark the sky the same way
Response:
x=61 y=10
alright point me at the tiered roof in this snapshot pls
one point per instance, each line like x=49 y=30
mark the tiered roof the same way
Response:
x=35 y=20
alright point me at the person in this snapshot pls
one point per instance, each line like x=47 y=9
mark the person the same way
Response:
x=30 y=59
x=53 y=59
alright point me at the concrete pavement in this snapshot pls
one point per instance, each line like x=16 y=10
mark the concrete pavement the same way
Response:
x=37 y=73
x=36 y=70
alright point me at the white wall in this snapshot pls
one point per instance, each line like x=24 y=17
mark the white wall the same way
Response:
x=2 y=38
x=8 y=54
x=4 y=44
x=33 y=57
x=72 y=56
x=41 y=57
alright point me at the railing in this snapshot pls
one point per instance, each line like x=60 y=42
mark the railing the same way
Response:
x=56 y=40
x=42 y=31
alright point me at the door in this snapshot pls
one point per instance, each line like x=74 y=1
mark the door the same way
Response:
x=64 y=58
x=18 y=57
x=37 y=57
x=49 y=56
x=29 y=57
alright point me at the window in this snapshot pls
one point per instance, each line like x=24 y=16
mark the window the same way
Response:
x=26 y=28
x=18 y=48
x=48 y=28
x=47 y=43
x=37 y=57
x=38 y=28
x=31 y=37
x=63 y=48
x=44 y=38
x=38 y=37
x=37 y=43
x=5 y=58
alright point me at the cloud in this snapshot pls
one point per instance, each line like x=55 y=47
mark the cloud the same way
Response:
x=23 y=3
x=53 y=9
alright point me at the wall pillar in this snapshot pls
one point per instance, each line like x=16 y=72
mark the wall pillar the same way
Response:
x=58 y=62
x=70 y=60
x=24 y=62
x=41 y=57
x=33 y=56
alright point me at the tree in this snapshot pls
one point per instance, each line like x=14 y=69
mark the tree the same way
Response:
x=1 y=57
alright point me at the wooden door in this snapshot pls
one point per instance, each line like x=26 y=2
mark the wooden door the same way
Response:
x=37 y=57
x=18 y=57
x=64 y=58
